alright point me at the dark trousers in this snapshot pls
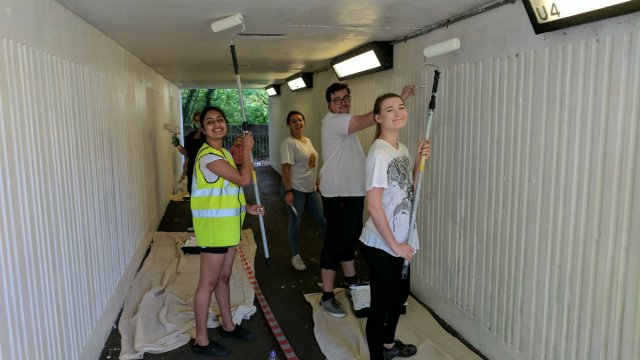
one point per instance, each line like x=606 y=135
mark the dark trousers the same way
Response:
x=344 y=225
x=389 y=292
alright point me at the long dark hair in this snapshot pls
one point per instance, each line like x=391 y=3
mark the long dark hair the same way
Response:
x=208 y=108
x=294 y=112
x=290 y=114
x=377 y=107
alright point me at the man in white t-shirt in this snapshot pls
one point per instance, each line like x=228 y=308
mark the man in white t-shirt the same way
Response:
x=343 y=189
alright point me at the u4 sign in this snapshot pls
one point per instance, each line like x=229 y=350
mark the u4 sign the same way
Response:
x=549 y=15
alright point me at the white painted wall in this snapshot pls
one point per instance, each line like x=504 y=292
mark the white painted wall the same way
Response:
x=531 y=238
x=86 y=171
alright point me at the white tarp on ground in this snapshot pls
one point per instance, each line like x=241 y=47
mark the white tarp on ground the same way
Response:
x=345 y=339
x=158 y=311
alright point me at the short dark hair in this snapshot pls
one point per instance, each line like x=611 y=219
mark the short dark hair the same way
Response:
x=335 y=87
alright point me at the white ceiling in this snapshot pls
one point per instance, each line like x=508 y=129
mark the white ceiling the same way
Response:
x=174 y=37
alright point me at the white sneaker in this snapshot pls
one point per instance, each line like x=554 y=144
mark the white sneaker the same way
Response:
x=298 y=263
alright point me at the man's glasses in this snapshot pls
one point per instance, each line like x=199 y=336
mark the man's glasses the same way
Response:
x=342 y=100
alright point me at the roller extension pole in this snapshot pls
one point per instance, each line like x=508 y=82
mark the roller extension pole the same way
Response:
x=414 y=206
x=245 y=128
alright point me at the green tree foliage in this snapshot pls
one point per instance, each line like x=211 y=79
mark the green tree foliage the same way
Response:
x=207 y=96
x=188 y=97
x=256 y=104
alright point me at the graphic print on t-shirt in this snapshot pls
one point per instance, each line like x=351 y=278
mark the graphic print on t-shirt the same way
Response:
x=311 y=164
x=399 y=194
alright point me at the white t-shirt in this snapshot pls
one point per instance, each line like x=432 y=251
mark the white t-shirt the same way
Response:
x=342 y=172
x=303 y=158
x=209 y=175
x=391 y=169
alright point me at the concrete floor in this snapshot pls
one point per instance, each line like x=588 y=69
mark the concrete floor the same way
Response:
x=282 y=286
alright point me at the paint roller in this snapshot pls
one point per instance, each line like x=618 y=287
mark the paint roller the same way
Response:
x=429 y=52
x=222 y=25
x=441 y=48
x=227 y=23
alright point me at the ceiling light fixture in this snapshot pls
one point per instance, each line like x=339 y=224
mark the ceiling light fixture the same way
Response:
x=273 y=90
x=300 y=81
x=370 y=58
x=547 y=15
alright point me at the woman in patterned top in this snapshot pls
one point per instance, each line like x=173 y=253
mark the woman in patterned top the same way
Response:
x=390 y=174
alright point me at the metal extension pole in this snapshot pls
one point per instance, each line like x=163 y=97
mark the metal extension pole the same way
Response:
x=414 y=206
x=245 y=128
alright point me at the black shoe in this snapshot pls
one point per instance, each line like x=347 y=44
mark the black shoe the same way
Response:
x=238 y=333
x=212 y=349
x=399 y=349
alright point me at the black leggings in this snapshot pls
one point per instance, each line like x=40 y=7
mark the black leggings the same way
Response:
x=389 y=292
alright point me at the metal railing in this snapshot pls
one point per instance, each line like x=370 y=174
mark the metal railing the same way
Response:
x=260 y=149
x=260 y=134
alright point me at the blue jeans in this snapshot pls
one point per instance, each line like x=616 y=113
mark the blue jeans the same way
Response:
x=302 y=200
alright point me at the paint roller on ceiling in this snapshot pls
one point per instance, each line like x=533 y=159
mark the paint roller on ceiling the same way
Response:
x=238 y=19
x=441 y=48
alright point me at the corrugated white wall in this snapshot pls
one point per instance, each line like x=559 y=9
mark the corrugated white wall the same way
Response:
x=532 y=195
x=86 y=171
x=530 y=219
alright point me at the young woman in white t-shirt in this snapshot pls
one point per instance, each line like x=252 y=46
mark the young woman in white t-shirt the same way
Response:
x=390 y=174
x=299 y=161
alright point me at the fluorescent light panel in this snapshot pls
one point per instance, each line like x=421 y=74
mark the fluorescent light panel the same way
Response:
x=300 y=81
x=356 y=64
x=546 y=15
x=372 y=57
x=296 y=84
x=273 y=90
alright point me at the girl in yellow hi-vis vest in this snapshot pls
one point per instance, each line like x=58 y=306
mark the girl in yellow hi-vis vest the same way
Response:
x=218 y=207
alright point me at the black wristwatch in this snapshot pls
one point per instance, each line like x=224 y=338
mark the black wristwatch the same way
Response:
x=288 y=191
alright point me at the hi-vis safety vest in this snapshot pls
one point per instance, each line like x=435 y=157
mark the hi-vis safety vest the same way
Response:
x=218 y=208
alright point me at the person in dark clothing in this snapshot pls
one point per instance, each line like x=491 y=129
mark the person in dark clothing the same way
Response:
x=192 y=144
